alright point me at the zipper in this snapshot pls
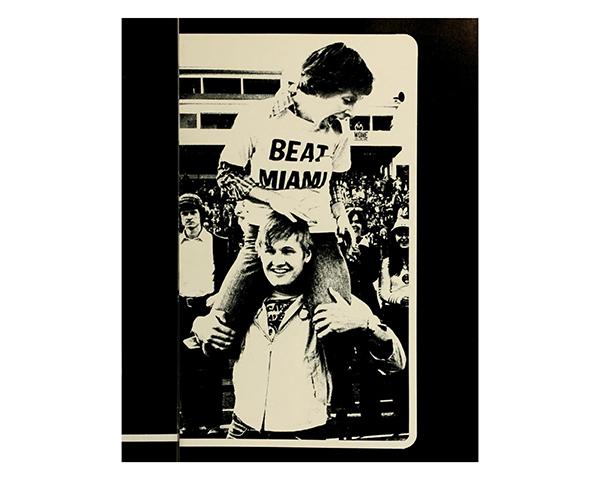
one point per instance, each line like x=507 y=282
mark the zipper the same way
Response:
x=266 y=390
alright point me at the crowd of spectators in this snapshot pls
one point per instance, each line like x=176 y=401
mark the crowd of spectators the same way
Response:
x=381 y=198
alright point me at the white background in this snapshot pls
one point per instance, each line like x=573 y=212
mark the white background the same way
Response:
x=60 y=255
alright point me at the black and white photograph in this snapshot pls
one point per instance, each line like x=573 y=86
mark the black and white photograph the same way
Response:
x=296 y=201
x=293 y=218
x=238 y=244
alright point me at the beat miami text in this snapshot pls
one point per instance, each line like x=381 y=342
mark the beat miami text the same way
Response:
x=293 y=151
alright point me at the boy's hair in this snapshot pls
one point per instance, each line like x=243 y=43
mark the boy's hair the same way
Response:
x=334 y=69
x=279 y=227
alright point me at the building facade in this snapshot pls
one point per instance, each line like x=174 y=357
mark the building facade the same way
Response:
x=210 y=100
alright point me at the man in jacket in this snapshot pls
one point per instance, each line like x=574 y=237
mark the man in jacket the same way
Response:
x=281 y=380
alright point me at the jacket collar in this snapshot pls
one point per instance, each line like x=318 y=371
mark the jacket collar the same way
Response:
x=261 y=317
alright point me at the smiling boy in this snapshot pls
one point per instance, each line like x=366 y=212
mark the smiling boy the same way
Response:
x=282 y=381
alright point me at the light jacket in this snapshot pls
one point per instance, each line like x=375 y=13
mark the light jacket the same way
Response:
x=281 y=379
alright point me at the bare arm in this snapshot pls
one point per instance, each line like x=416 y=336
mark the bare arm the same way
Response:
x=397 y=296
x=384 y=281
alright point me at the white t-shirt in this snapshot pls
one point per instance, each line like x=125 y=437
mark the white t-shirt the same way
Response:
x=291 y=155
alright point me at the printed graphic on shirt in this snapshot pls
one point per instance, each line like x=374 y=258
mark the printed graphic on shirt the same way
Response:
x=295 y=151
x=275 y=311
x=290 y=151
x=278 y=180
x=291 y=155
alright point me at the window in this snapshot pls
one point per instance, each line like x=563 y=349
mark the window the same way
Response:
x=360 y=123
x=222 y=85
x=261 y=86
x=382 y=123
x=189 y=87
x=217 y=120
x=188 y=120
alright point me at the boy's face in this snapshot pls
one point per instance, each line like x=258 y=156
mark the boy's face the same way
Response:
x=283 y=261
x=190 y=218
x=340 y=105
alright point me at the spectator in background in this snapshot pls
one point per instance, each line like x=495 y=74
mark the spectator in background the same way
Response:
x=203 y=262
x=363 y=262
x=393 y=283
x=393 y=291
